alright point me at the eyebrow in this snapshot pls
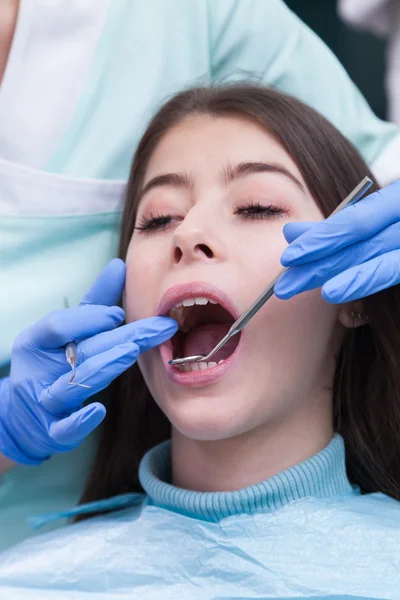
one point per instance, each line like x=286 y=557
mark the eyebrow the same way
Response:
x=168 y=179
x=248 y=168
x=229 y=174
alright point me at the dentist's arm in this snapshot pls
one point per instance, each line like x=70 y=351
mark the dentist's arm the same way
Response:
x=266 y=40
x=40 y=413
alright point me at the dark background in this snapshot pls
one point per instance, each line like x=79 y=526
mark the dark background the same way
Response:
x=362 y=54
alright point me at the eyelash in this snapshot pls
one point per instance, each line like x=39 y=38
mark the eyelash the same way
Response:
x=154 y=223
x=253 y=210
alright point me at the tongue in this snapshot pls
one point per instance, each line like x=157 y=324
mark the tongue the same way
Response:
x=203 y=338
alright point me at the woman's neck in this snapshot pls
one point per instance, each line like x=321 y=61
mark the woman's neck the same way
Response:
x=238 y=462
x=8 y=20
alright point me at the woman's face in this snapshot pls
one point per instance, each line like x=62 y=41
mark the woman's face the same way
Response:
x=216 y=195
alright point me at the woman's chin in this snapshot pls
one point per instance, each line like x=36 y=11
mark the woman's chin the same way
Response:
x=206 y=419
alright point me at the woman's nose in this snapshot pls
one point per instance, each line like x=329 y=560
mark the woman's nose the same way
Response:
x=193 y=242
x=199 y=252
x=192 y=246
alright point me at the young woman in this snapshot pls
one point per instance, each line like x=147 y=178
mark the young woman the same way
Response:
x=272 y=471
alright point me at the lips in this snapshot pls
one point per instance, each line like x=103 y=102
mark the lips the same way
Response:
x=176 y=295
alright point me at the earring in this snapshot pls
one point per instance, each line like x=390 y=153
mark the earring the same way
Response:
x=358 y=316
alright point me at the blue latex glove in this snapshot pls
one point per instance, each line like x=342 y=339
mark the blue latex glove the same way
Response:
x=352 y=254
x=40 y=413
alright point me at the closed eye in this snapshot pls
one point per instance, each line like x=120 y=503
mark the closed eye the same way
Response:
x=254 y=210
x=154 y=222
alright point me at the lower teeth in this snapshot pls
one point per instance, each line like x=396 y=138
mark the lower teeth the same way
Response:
x=197 y=366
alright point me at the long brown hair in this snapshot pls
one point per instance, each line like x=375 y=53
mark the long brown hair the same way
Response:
x=366 y=387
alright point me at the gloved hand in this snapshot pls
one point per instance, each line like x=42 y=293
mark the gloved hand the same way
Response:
x=40 y=413
x=352 y=254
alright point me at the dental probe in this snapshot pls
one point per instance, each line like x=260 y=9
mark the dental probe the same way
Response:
x=71 y=354
x=245 y=317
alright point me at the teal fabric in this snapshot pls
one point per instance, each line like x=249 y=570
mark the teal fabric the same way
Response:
x=305 y=533
x=49 y=258
x=57 y=483
x=147 y=51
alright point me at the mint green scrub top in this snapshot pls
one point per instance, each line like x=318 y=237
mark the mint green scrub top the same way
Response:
x=81 y=82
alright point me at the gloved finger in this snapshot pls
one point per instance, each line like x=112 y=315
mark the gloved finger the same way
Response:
x=146 y=333
x=97 y=372
x=62 y=326
x=72 y=430
x=302 y=278
x=349 y=226
x=107 y=288
x=295 y=229
x=363 y=280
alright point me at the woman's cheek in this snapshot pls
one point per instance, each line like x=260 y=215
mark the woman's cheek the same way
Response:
x=262 y=260
x=138 y=300
x=146 y=263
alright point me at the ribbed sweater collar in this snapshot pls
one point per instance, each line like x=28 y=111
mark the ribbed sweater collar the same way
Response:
x=323 y=475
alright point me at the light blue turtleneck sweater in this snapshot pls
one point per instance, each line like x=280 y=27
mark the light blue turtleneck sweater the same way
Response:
x=322 y=476
x=306 y=532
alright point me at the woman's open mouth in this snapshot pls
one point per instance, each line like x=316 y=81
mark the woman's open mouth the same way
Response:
x=203 y=322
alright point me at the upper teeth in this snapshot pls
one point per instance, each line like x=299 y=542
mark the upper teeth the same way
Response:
x=176 y=311
x=192 y=301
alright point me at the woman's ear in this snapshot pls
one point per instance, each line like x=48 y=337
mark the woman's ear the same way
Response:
x=352 y=315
